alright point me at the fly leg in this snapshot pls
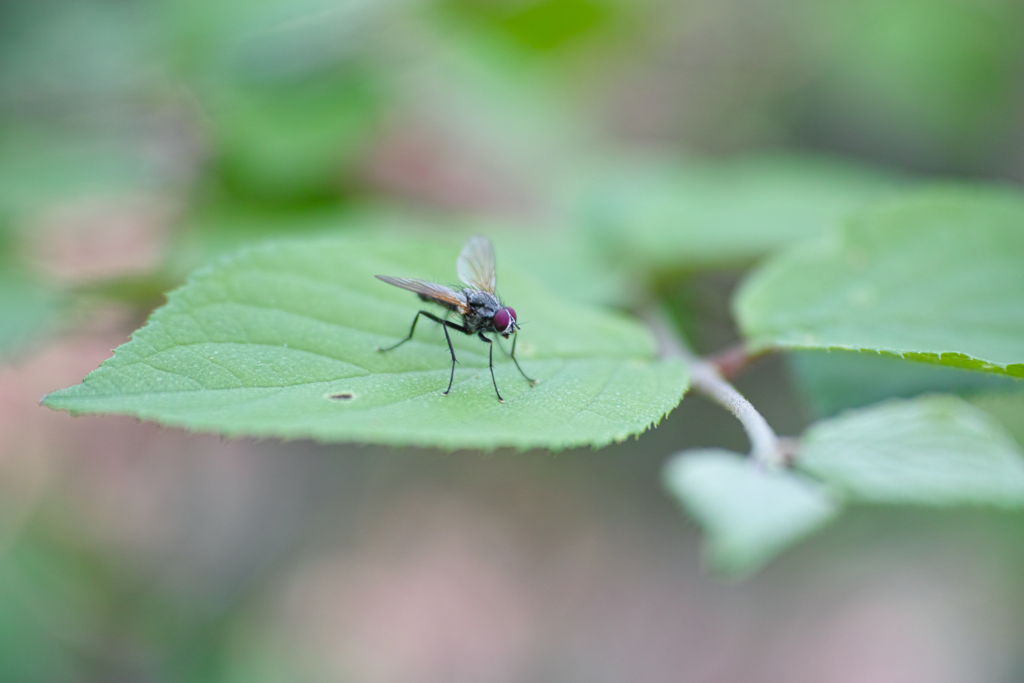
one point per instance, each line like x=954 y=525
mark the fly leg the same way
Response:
x=491 y=362
x=532 y=382
x=451 y=377
x=411 y=330
x=445 y=324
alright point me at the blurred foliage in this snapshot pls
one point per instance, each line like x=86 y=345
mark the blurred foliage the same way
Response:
x=544 y=25
x=930 y=79
x=46 y=167
x=26 y=308
x=36 y=606
x=288 y=95
x=27 y=305
x=578 y=133
x=933 y=450
x=290 y=140
x=663 y=217
x=750 y=515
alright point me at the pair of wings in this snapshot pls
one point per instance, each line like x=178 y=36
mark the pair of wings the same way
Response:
x=475 y=268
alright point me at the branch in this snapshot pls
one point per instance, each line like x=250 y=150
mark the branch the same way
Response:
x=765 y=446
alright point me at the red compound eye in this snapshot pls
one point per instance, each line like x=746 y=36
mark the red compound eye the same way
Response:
x=504 y=319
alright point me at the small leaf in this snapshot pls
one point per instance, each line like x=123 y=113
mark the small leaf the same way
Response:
x=750 y=513
x=702 y=214
x=935 y=278
x=281 y=341
x=935 y=450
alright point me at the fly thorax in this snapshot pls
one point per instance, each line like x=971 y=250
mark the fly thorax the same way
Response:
x=481 y=303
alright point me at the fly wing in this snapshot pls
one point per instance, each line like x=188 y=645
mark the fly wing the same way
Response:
x=476 y=264
x=445 y=296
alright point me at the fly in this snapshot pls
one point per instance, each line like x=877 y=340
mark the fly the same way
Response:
x=477 y=304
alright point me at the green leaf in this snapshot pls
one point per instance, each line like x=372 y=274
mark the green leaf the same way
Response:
x=672 y=216
x=935 y=450
x=936 y=278
x=280 y=341
x=749 y=513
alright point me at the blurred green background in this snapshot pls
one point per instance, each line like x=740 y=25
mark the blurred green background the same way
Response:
x=140 y=139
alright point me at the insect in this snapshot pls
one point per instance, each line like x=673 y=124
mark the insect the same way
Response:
x=477 y=303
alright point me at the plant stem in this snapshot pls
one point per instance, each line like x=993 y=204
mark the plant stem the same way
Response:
x=765 y=446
